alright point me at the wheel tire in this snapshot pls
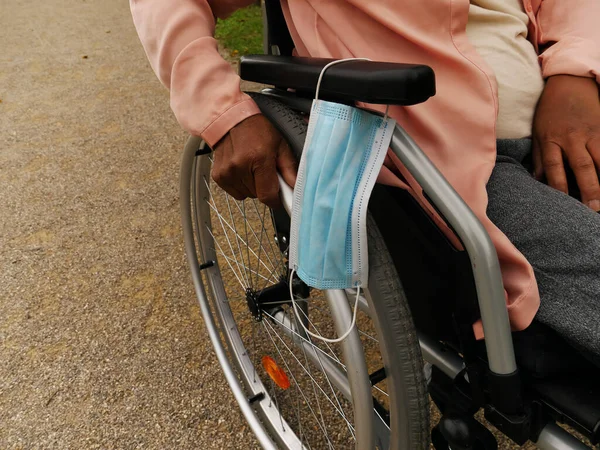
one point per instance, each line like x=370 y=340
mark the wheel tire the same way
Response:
x=407 y=387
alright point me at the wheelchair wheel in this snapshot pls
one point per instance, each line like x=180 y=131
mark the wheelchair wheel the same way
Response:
x=366 y=391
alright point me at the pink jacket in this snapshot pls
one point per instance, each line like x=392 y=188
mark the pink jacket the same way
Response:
x=456 y=128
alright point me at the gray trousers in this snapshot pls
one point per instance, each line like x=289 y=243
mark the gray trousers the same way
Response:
x=560 y=237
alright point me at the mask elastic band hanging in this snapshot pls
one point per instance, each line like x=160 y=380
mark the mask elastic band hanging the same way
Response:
x=318 y=336
x=338 y=61
x=333 y=63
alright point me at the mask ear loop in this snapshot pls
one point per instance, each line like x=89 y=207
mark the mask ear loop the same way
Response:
x=333 y=63
x=338 y=61
x=318 y=336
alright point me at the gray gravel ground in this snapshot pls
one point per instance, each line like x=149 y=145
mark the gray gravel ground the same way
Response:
x=101 y=340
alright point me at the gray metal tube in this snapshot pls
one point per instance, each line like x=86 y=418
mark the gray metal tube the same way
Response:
x=335 y=375
x=445 y=360
x=190 y=250
x=484 y=260
x=554 y=437
x=358 y=375
x=287 y=195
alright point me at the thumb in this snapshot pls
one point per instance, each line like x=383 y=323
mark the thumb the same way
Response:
x=286 y=163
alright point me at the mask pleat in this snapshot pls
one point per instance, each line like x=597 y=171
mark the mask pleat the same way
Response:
x=335 y=159
x=335 y=200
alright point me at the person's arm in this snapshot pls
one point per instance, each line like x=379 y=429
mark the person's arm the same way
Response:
x=567 y=122
x=569 y=38
x=178 y=37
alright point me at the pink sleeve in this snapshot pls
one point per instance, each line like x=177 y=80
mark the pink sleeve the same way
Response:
x=570 y=33
x=177 y=36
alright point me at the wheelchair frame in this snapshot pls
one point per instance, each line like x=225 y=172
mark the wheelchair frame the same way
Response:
x=485 y=266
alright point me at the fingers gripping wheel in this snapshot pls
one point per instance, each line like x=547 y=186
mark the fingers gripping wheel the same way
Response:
x=245 y=161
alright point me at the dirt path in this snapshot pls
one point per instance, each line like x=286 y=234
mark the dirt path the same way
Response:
x=101 y=340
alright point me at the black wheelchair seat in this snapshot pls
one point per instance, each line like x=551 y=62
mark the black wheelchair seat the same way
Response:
x=363 y=81
x=572 y=399
x=560 y=377
x=544 y=353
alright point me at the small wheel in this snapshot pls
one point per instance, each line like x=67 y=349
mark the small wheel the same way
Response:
x=367 y=391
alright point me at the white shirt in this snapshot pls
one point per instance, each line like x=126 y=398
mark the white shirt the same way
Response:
x=498 y=30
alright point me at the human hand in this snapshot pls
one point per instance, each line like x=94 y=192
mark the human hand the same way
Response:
x=567 y=127
x=247 y=159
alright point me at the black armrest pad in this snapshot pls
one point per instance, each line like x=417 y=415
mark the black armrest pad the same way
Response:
x=365 y=81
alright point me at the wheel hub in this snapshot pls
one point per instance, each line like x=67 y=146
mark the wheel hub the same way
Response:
x=253 y=304
x=274 y=296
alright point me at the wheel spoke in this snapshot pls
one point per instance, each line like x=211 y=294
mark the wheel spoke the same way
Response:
x=260 y=246
x=273 y=266
x=260 y=250
x=254 y=349
x=299 y=421
x=299 y=336
x=246 y=267
x=274 y=395
x=230 y=266
x=319 y=332
x=360 y=331
x=212 y=204
x=368 y=336
x=314 y=388
x=330 y=385
x=262 y=221
x=228 y=241
x=306 y=371
x=279 y=252
x=223 y=220
x=377 y=388
x=238 y=238
x=282 y=302
x=294 y=378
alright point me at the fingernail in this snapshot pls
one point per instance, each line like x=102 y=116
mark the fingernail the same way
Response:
x=594 y=204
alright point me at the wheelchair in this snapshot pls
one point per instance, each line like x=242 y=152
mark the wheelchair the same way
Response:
x=373 y=389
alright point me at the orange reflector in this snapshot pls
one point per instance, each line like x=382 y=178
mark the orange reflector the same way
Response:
x=275 y=372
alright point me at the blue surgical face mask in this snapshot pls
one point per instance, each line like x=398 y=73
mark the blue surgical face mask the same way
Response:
x=343 y=153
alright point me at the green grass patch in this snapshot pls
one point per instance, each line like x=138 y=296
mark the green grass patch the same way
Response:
x=241 y=33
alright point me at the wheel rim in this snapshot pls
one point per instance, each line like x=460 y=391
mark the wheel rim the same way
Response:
x=315 y=411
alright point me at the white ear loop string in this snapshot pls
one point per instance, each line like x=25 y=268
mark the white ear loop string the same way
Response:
x=318 y=336
x=333 y=63
x=338 y=61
